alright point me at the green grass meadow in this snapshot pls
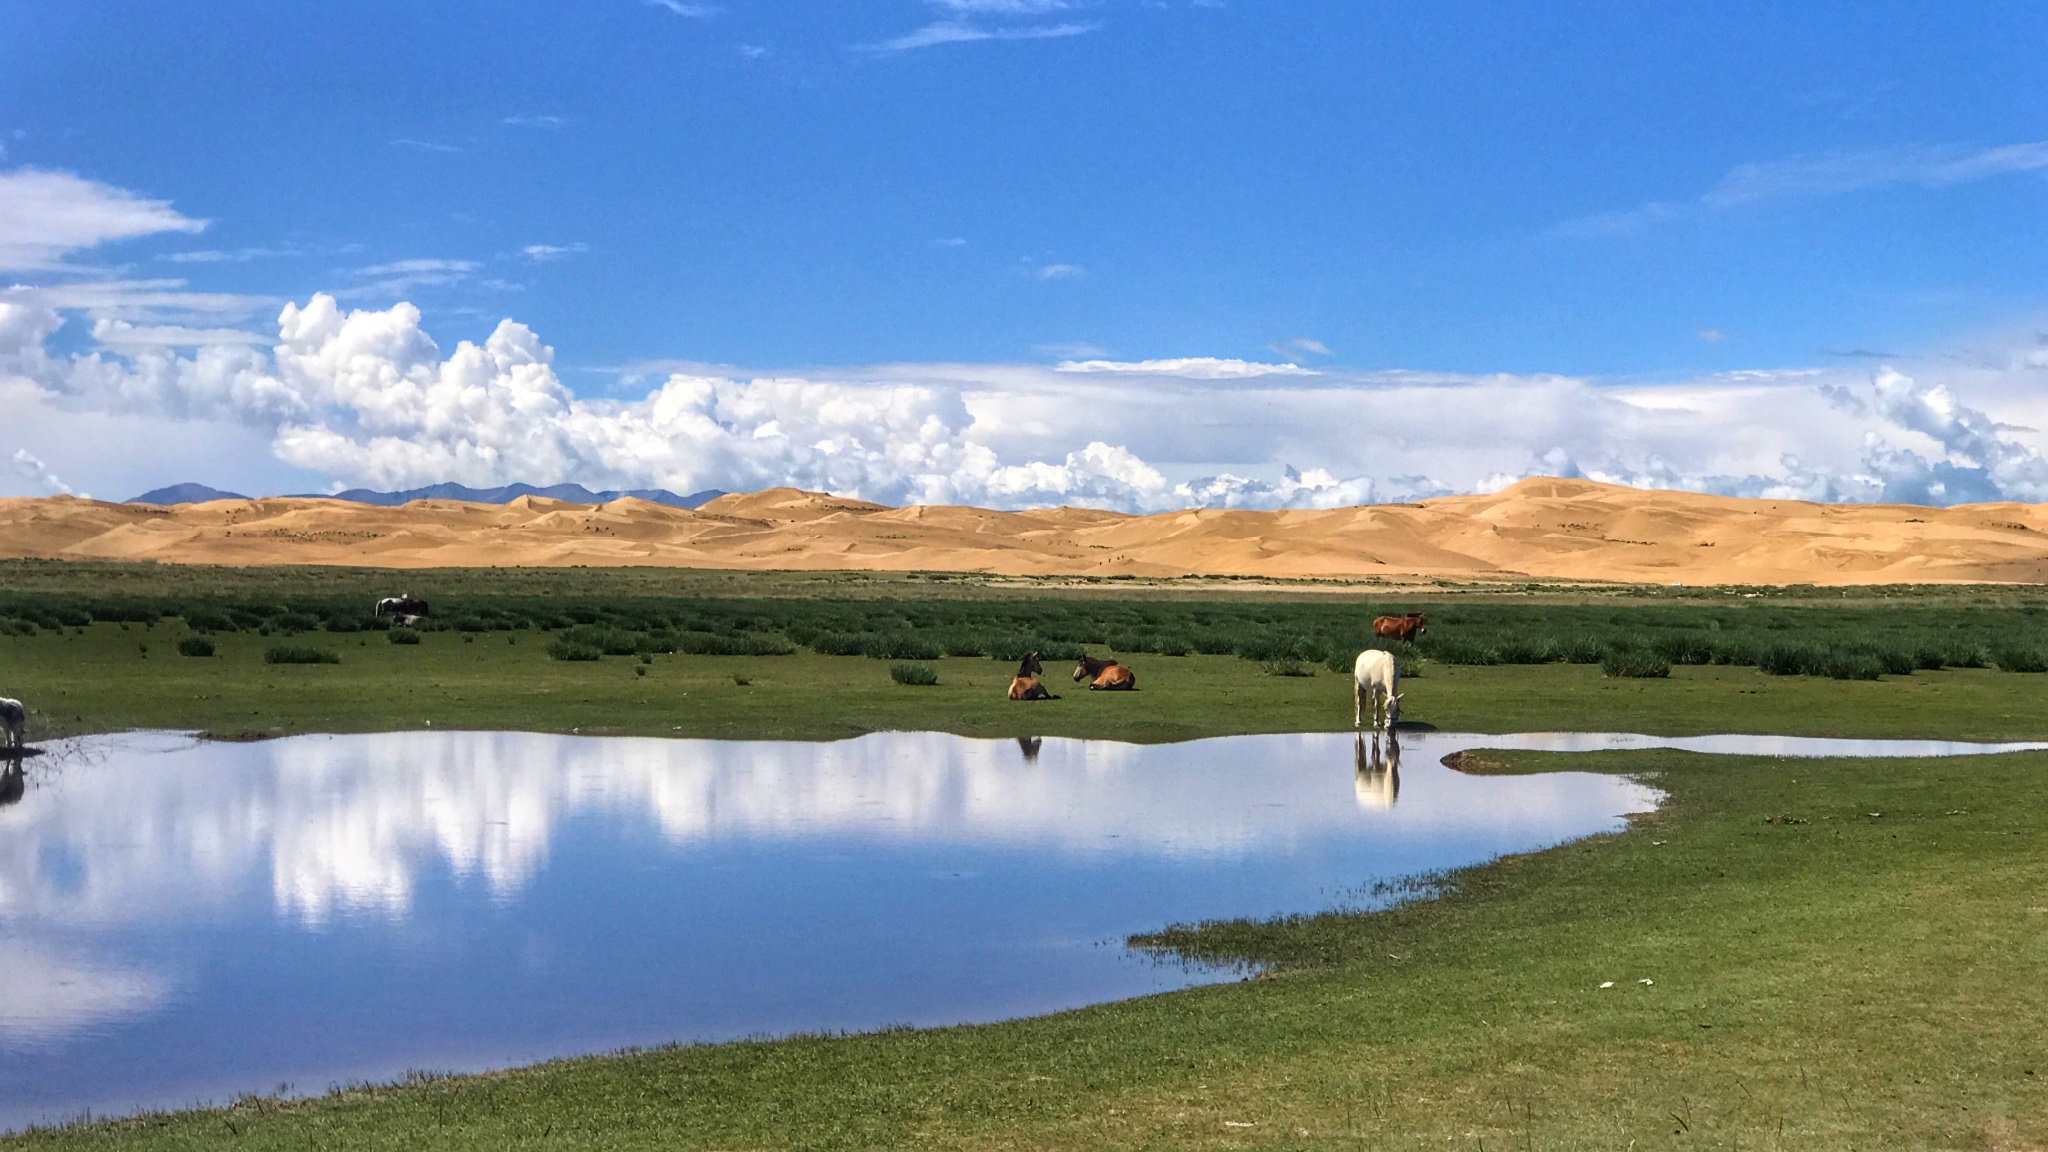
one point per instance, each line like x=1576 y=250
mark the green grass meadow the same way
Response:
x=1799 y=954
x=108 y=677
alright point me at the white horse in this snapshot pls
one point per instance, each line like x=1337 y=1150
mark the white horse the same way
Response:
x=1379 y=687
x=14 y=722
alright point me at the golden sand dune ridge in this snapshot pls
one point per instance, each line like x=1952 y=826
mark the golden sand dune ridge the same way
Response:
x=1544 y=528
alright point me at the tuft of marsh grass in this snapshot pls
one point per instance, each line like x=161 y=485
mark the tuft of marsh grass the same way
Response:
x=1790 y=659
x=901 y=646
x=1581 y=650
x=2018 y=659
x=564 y=648
x=838 y=643
x=402 y=636
x=1684 y=648
x=1526 y=650
x=195 y=646
x=1635 y=664
x=1852 y=664
x=916 y=675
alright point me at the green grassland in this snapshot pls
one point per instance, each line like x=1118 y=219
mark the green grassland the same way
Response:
x=793 y=655
x=110 y=677
x=1870 y=972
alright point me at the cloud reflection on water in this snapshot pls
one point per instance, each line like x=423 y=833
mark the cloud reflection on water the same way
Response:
x=156 y=824
x=183 y=919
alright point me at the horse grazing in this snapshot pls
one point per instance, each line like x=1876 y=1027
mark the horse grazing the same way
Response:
x=1377 y=779
x=1379 y=687
x=402 y=605
x=1402 y=628
x=13 y=723
x=1026 y=685
x=1105 y=675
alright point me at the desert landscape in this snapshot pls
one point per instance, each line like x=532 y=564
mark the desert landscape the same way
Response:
x=1538 y=528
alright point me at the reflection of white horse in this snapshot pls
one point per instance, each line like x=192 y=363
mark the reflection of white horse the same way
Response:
x=1377 y=780
x=13 y=781
x=14 y=722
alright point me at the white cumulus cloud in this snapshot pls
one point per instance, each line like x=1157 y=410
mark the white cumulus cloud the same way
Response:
x=368 y=397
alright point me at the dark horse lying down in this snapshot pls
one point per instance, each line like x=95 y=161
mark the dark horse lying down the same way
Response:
x=1026 y=685
x=1106 y=675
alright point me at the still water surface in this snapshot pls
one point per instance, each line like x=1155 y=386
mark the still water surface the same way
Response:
x=184 y=921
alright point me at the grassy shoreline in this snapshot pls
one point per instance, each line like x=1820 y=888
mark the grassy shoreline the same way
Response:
x=1832 y=981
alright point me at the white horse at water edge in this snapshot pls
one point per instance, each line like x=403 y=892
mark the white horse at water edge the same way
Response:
x=1379 y=688
x=13 y=723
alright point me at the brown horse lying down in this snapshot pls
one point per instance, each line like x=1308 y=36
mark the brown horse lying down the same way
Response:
x=1108 y=675
x=1026 y=685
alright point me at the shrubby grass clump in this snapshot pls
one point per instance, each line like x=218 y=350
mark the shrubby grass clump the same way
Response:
x=916 y=675
x=2017 y=659
x=195 y=646
x=837 y=643
x=1854 y=664
x=565 y=648
x=1525 y=650
x=901 y=646
x=1684 y=648
x=299 y=654
x=1785 y=659
x=1581 y=650
x=1010 y=649
x=402 y=636
x=965 y=644
x=1635 y=664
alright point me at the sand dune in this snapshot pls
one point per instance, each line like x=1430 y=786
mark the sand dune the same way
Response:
x=1568 y=529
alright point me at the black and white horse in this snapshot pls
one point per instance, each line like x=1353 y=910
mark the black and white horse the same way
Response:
x=404 y=607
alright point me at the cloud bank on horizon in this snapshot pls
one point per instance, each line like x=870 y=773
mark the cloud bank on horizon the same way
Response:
x=367 y=397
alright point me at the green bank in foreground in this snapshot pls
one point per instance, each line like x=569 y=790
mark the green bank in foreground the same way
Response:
x=1811 y=955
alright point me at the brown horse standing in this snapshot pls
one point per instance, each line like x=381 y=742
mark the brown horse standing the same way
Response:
x=1403 y=628
x=1107 y=675
x=1026 y=685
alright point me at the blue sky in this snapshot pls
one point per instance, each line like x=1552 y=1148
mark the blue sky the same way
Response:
x=1624 y=195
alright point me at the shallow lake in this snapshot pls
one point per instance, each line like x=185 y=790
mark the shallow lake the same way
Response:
x=183 y=921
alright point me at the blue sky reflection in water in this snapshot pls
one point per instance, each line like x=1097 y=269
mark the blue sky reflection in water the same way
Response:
x=184 y=921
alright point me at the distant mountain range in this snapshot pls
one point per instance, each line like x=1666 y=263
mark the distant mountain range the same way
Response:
x=185 y=494
x=573 y=493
